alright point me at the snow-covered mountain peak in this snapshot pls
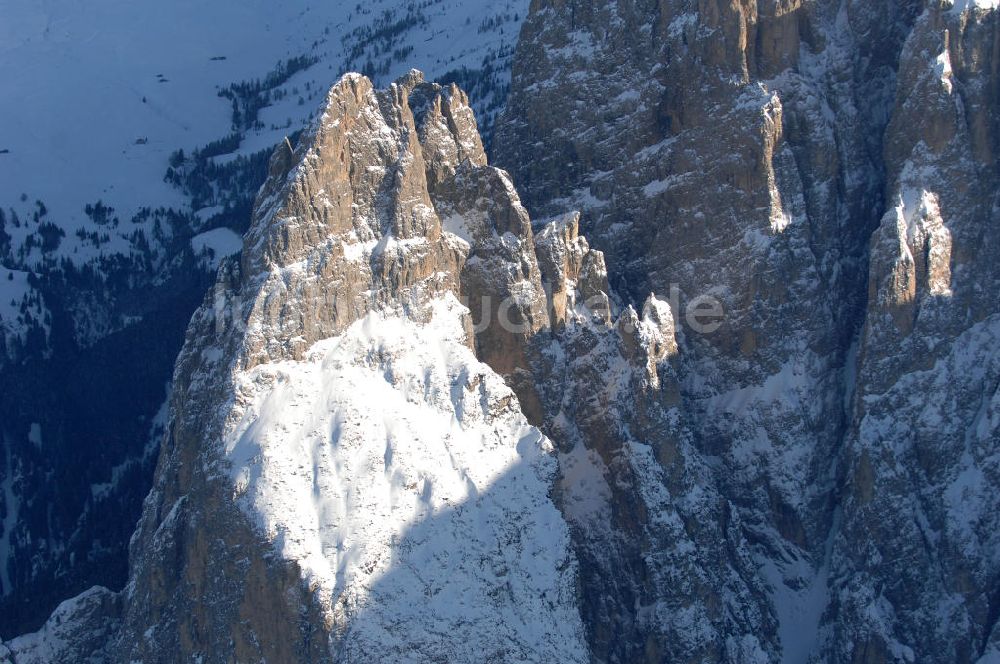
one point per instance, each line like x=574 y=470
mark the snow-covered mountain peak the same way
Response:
x=331 y=418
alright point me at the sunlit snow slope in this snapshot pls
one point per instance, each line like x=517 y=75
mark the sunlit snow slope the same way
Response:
x=399 y=472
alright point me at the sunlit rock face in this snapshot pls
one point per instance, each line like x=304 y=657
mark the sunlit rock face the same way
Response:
x=921 y=459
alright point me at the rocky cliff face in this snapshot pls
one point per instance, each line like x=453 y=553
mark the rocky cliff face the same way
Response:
x=919 y=530
x=842 y=412
x=385 y=478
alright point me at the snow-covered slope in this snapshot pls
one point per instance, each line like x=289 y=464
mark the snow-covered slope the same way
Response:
x=400 y=474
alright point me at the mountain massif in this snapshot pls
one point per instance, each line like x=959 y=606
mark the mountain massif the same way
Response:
x=114 y=218
x=708 y=372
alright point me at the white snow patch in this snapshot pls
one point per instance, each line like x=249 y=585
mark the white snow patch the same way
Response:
x=218 y=242
x=786 y=386
x=799 y=595
x=628 y=95
x=682 y=23
x=942 y=67
x=14 y=288
x=59 y=637
x=457 y=225
x=398 y=471
x=585 y=491
x=657 y=187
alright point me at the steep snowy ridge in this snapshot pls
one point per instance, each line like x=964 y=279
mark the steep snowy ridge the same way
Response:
x=922 y=440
